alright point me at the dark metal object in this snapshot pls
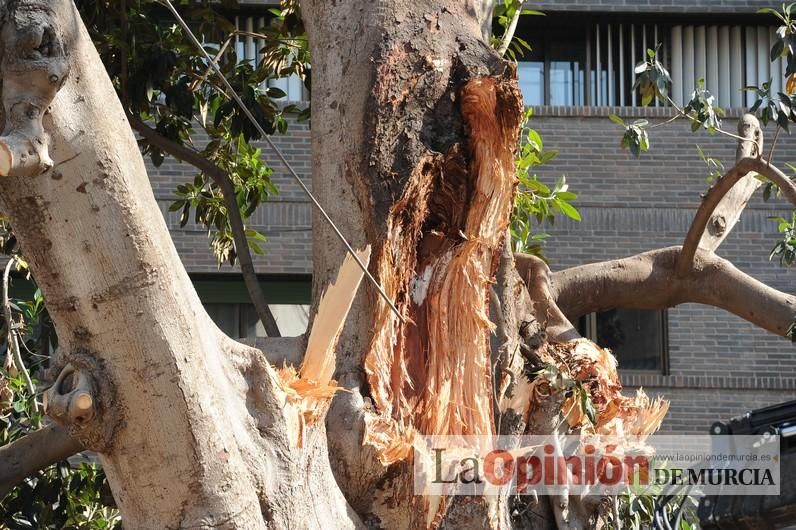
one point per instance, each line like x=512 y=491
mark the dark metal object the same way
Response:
x=758 y=512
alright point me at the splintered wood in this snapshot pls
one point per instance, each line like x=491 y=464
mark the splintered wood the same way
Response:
x=310 y=389
x=593 y=368
x=433 y=376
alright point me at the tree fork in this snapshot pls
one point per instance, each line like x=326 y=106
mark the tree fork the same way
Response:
x=714 y=197
x=722 y=205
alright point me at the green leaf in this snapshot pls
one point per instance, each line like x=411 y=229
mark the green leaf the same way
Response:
x=547 y=156
x=568 y=210
x=254 y=234
x=535 y=139
x=256 y=248
x=276 y=93
x=587 y=405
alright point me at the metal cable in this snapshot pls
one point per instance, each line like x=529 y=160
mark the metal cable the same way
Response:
x=281 y=157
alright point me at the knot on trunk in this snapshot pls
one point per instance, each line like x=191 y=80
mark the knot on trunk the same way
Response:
x=71 y=399
x=34 y=67
x=718 y=224
x=81 y=399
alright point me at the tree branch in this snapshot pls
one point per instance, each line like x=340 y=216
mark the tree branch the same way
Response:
x=649 y=281
x=729 y=209
x=222 y=180
x=714 y=196
x=35 y=451
x=512 y=27
x=11 y=337
x=536 y=275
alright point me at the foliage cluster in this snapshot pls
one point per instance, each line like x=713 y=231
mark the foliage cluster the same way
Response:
x=166 y=83
x=62 y=496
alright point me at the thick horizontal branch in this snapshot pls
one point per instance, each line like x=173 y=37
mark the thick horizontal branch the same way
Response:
x=649 y=281
x=33 y=452
x=714 y=196
x=222 y=180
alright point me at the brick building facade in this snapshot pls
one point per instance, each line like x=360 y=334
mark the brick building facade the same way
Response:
x=712 y=365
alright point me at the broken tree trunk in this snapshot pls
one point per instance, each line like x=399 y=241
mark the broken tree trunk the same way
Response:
x=415 y=157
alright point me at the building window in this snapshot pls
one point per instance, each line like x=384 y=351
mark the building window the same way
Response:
x=576 y=61
x=637 y=338
x=240 y=321
x=727 y=57
x=248 y=48
x=226 y=300
x=552 y=72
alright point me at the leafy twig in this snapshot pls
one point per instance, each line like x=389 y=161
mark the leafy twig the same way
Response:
x=504 y=43
x=11 y=337
x=684 y=114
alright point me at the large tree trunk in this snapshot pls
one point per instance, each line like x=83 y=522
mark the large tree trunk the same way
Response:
x=414 y=125
x=193 y=430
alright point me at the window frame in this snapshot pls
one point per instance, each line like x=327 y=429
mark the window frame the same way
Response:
x=662 y=24
x=590 y=332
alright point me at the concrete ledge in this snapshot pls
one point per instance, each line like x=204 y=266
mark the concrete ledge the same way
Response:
x=651 y=112
x=702 y=382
